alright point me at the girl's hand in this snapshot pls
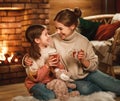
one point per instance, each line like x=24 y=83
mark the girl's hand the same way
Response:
x=28 y=61
x=53 y=61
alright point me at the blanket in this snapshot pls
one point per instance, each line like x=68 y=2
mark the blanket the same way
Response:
x=103 y=50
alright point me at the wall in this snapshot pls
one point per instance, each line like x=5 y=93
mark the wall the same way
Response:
x=118 y=6
x=13 y=22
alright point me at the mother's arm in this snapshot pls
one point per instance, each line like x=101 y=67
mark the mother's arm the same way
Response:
x=90 y=61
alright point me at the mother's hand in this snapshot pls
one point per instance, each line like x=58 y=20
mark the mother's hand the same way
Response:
x=28 y=61
x=81 y=55
x=81 y=58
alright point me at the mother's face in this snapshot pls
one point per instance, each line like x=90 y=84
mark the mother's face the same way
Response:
x=63 y=30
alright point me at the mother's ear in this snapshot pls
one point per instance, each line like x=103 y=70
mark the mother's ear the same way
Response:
x=73 y=27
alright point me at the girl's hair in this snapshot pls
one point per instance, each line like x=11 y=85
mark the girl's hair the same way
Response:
x=32 y=32
x=68 y=17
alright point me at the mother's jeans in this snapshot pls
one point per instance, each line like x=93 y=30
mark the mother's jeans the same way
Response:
x=98 y=81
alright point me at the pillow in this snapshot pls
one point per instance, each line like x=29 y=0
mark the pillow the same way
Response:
x=88 y=28
x=106 y=31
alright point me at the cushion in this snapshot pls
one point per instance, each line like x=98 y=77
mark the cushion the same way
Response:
x=88 y=28
x=106 y=31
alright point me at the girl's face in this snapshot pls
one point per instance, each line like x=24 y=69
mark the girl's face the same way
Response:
x=63 y=30
x=44 y=39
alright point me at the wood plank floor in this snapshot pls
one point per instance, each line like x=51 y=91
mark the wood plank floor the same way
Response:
x=7 y=92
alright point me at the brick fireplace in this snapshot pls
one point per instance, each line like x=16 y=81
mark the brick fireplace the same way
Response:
x=15 y=17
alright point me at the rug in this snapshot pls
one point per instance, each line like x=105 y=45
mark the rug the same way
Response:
x=98 y=96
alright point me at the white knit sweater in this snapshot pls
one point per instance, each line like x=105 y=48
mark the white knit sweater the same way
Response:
x=75 y=42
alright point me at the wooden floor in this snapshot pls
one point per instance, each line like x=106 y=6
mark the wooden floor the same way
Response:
x=7 y=92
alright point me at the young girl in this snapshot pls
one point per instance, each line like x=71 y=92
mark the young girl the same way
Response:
x=39 y=74
x=42 y=70
x=39 y=39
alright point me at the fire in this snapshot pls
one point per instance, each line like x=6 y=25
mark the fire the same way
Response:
x=10 y=58
x=6 y=58
x=16 y=60
x=3 y=51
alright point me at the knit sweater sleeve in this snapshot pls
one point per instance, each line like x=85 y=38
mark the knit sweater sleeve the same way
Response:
x=42 y=73
x=92 y=58
x=40 y=77
x=36 y=72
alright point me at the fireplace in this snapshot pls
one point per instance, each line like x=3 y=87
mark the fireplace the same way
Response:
x=15 y=17
x=10 y=33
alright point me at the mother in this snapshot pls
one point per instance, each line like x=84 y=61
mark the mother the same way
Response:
x=83 y=66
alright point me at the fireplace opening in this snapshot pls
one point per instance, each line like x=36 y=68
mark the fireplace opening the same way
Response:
x=10 y=59
x=11 y=30
x=11 y=23
x=11 y=45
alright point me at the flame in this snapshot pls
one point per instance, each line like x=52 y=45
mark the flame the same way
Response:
x=10 y=58
x=7 y=57
x=16 y=60
x=3 y=51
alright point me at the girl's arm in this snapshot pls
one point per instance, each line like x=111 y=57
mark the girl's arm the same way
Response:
x=39 y=75
x=42 y=73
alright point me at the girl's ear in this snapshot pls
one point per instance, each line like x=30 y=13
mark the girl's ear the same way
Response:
x=37 y=40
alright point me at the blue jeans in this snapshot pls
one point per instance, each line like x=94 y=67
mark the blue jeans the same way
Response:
x=39 y=91
x=98 y=81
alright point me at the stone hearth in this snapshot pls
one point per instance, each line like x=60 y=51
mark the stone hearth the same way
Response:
x=10 y=74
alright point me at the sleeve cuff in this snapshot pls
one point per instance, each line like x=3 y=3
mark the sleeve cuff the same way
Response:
x=23 y=62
